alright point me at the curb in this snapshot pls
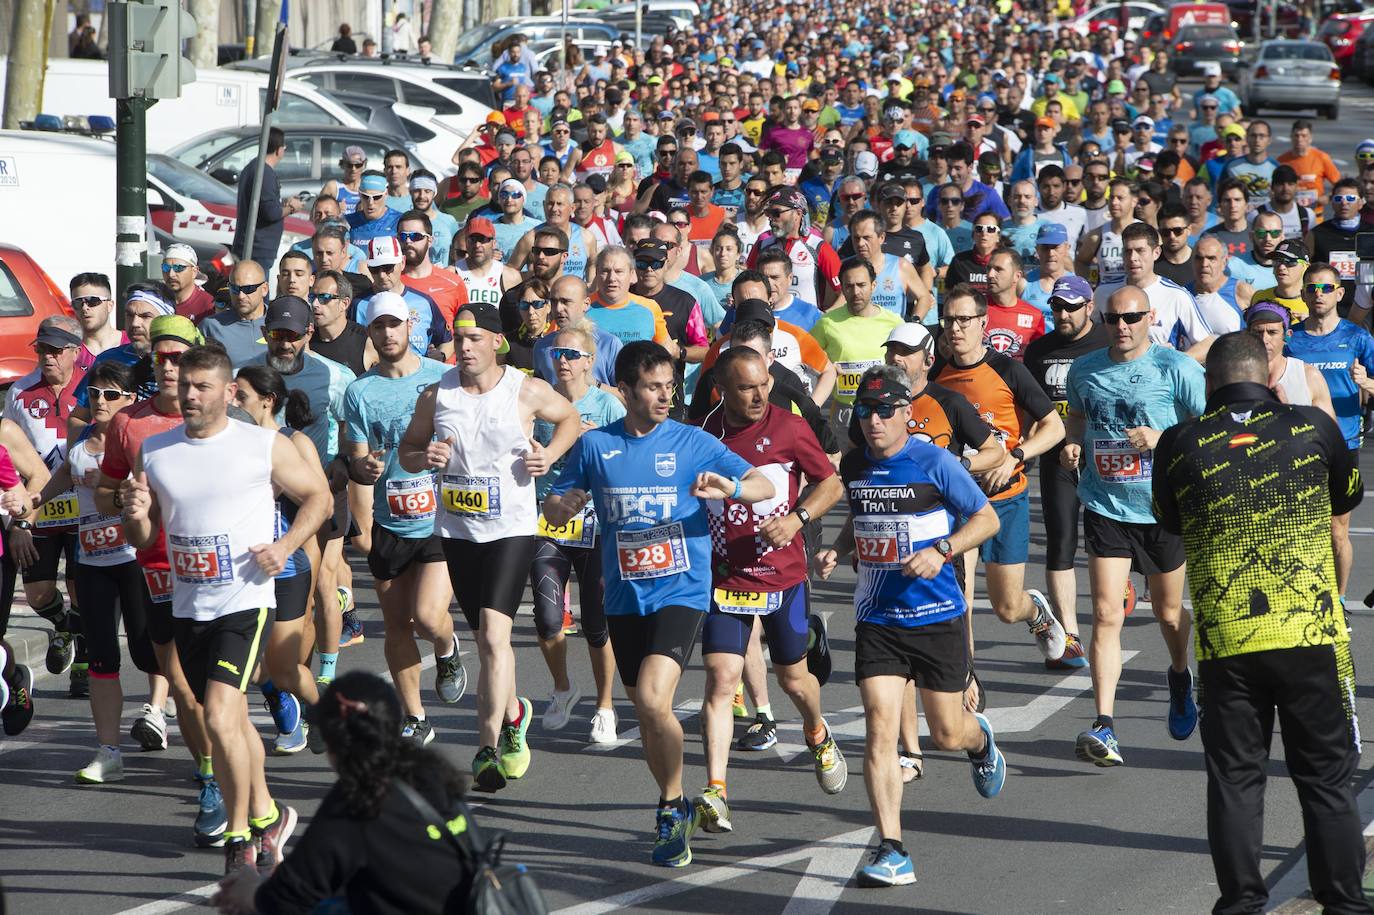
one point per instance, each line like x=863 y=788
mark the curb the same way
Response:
x=28 y=636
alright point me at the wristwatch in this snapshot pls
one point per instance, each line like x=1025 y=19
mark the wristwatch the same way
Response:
x=945 y=548
x=22 y=524
x=1018 y=454
x=802 y=514
x=964 y=460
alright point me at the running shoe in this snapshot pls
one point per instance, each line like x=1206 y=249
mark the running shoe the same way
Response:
x=239 y=854
x=292 y=742
x=285 y=709
x=169 y=708
x=762 y=734
x=913 y=766
x=738 y=708
x=417 y=730
x=150 y=730
x=818 y=659
x=108 y=766
x=1182 y=708
x=486 y=771
x=1048 y=631
x=271 y=840
x=79 y=682
x=990 y=772
x=1075 y=657
x=212 y=819
x=18 y=712
x=1128 y=600
x=569 y=624
x=889 y=867
x=558 y=712
x=4 y=684
x=831 y=769
x=1098 y=745
x=713 y=812
x=604 y=726
x=450 y=676
x=673 y=843
x=61 y=651
x=323 y=682
x=314 y=739
x=515 y=749
x=352 y=632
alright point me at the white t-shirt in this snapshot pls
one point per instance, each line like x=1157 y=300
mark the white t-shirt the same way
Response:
x=1178 y=321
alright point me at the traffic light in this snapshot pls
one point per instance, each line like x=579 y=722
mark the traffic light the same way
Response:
x=145 y=49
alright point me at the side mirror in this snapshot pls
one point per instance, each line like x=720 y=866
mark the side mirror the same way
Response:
x=225 y=175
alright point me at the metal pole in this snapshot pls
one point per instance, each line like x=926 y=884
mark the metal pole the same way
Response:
x=131 y=196
x=563 y=41
x=639 y=27
x=257 y=189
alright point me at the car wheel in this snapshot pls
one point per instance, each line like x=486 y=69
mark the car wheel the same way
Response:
x=1332 y=112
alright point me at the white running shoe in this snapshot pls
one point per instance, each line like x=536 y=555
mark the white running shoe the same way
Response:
x=559 y=710
x=150 y=730
x=1048 y=631
x=604 y=726
x=108 y=766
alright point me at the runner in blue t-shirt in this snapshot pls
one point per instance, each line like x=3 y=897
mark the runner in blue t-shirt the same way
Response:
x=905 y=497
x=406 y=559
x=646 y=476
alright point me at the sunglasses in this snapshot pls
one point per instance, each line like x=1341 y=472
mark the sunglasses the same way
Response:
x=1174 y=230
x=467 y=179
x=1268 y=233
x=1364 y=156
x=372 y=197
x=568 y=353
x=480 y=239
x=984 y=229
x=106 y=394
x=1130 y=317
x=1179 y=141
x=624 y=165
x=325 y=297
x=411 y=236
x=775 y=214
x=175 y=268
x=1344 y=198
x=167 y=358
x=89 y=301
x=44 y=349
x=958 y=320
x=281 y=335
x=641 y=264
x=1321 y=288
x=351 y=164
x=536 y=304
x=850 y=198
x=667 y=152
x=510 y=195
x=1057 y=304
x=248 y=289
x=1144 y=202
x=951 y=201
x=1210 y=107
x=546 y=252
x=383 y=268
x=882 y=410
x=755 y=192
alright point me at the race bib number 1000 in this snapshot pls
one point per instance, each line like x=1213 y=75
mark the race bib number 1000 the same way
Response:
x=478 y=497
x=201 y=560
x=654 y=552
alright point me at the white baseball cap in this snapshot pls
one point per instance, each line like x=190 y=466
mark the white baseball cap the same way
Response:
x=909 y=334
x=866 y=164
x=387 y=305
x=180 y=252
x=384 y=249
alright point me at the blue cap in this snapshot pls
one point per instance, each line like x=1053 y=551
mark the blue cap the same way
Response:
x=1071 y=288
x=1052 y=233
x=1053 y=78
x=371 y=183
x=905 y=138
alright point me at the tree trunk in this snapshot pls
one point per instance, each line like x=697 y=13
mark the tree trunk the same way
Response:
x=269 y=11
x=24 y=75
x=204 y=48
x=445 y=19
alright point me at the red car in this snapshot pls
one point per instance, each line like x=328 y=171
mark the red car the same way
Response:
x=1341 y=31
x=27 y=296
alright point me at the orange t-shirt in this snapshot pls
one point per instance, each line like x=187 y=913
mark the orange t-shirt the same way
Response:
x=704 y=228
x=446 y=289
x=1315 y=171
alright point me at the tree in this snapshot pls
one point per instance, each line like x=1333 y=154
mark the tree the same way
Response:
x=265 y=27
x=25 y=72
x=204 y=48
x=445 y=20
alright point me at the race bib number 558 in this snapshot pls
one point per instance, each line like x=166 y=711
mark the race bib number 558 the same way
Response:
x=1121 y=462
x=201 y=560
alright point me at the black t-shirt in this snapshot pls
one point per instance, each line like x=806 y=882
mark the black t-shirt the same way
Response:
x=968 y=268
x=1048 y=358
x=521 y=353
x=1160 y=83
x=676 y=306
x=1237 y=243
x=1327 y=240
x=1182 y=274
x=668 y=196
x=347 y=348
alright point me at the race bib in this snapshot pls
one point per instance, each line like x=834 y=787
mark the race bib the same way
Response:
x=477 y=497
x=201 y=560
x=1346 y=264
x=580 y=531
x=654 y=552
x=102 y=535
x=885 y=542
x=756 y=603
x=1119 y=461
x=159 y=582
x=59 y=511
x=412 y=499
x=849 y=373
x=1306 y=198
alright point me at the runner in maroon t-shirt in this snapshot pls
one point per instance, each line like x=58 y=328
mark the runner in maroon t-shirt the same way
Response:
x=1013 y=323
x=760 y=571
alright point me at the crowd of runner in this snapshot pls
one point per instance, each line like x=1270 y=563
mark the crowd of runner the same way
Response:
x=668 y=313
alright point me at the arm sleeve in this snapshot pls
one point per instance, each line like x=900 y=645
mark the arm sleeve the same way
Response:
x=1162 y=490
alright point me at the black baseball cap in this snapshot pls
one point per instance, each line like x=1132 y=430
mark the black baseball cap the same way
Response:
x=880 y=390
x=288 y=312
x=755 y=310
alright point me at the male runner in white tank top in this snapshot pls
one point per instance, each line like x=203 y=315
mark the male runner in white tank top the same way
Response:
x=1293 y=380
x=1100 y=252
x=475 y=430
x=223 y=559
x=485 y=277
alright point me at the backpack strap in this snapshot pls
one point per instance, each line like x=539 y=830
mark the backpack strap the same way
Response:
x=472 y=843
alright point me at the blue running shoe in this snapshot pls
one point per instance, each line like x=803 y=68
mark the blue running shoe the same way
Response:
x=889 y=867
x=352 y=631
x=1098 y=746
x=990 y=772
x=212 y=819
x=286 y=711
x=674 y=826
x=1182 y=708
x=293 y=742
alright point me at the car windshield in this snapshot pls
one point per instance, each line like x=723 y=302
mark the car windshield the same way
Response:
x=476 y=38
x=13 y=301
x=1298 y=52
x=188 y=182
x=1206 y=33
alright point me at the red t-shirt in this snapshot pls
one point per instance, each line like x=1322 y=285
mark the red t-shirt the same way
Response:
x=124 y=439
x=783 y=447
x=1013 y=328
x=197 y=305
x=446 y=289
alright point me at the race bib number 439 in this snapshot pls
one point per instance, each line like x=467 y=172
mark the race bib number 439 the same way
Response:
x=201 y=560
x=102 y=535
x=654 y=552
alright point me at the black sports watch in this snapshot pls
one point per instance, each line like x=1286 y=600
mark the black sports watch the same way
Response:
x=945 y=548
x=1018 y=454
x=964 y=460
x=803 y=514
x=22 y=524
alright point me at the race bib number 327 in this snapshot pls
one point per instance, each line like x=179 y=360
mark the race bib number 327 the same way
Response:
x=202 y=560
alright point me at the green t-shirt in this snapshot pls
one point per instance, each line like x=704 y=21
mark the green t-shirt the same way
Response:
x=854 y=344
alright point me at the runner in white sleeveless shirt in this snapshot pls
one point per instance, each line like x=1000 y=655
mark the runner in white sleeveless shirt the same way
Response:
x=1293 y=380
x=485 y=277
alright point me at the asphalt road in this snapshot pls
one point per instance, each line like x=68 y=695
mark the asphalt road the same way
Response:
x=1062 y=835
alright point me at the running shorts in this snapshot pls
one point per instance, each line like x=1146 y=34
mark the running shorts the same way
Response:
x=934 y=656
x=1154 y=549
x=488 y=576
x=785 y=628
x=225 y=650
x=670 y=631
x=391 y=554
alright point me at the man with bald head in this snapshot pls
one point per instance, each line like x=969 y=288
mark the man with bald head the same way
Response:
x=1121 y=399
x=581 y=247
x=239 y=327
x=569 y=299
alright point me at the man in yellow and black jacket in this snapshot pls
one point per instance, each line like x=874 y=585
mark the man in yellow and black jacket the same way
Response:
x=1251 y=485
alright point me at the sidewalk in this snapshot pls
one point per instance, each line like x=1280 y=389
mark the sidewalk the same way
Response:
x=28 y=636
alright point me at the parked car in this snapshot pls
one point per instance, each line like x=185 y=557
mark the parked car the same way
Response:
x=682 y=12
x=1109 y=14
x=1362 y=58
x=1288 y=19
x=1291 y=74
x=1195 y=45
x=1341 y=31
x=1181 y=14
x=475 y=46
x=311 y=160
x=27 y=296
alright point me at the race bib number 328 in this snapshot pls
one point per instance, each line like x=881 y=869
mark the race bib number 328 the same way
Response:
x=202 y=560
x=654 y=552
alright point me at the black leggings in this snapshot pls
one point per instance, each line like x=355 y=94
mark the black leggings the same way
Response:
x=1059 y=504
x=104 y=594
x=9 y=575
x=553 y=566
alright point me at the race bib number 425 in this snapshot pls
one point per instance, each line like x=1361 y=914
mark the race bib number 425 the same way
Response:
x=472 y=496
x=201 y=560
x=654 y=552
